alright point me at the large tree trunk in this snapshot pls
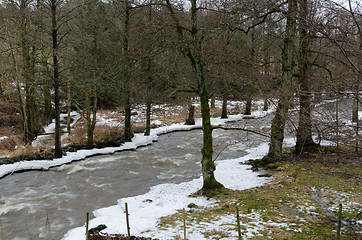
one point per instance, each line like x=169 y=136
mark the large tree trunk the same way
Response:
x=304 y=131
x=148 y=118
x=195 y=57
x=91 y=121
x=266 y=74
x=194 y=54
x=266 y=104
x=69 y=105
x=191 y=110
x=57 y=134
x=207 y=163
x=126 y=78
x=47 y=95
x=31 y=120
x=355 y=106
x=278 y=123
x=248 y=104
x=224 y=112
x=213 y=100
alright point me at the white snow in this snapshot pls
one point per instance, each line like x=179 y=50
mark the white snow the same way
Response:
x=3 y=138
x=50 y=128
x=165 y=199
x=156 y=122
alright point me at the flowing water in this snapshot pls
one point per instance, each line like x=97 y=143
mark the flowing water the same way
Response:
x=34 y=204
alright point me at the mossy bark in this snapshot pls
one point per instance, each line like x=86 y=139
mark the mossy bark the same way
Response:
x=355 y=108
x=69 y=105
x=149 y=79
x=248 y=105
x=91 y=114
x=266 y=104
x=148 y=118
x=30 y=117
x=304 y=131
x=191 y=112
x=213 y=100
x=207 y=163
x=126 y=76
x=193 y=51
x=56 y=81
x=127 y=118
x=278 y=123
x=224 y=112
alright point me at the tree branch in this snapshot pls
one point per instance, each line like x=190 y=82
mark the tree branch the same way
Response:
x=240 y=129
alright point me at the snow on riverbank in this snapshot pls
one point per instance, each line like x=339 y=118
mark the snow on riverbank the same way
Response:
x=165 y=199
x=161 y=200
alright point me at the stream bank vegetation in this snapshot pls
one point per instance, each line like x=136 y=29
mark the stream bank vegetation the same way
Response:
x=300 y=203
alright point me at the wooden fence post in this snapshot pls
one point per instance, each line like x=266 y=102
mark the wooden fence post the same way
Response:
x=184 y=220
x=238 y=222
x=127 y=221
x=87 y=226
x=339 y=221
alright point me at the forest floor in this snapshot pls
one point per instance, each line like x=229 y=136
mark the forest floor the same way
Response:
x=300 y=203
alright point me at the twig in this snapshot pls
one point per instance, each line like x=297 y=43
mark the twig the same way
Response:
x=241 y=129
x=221 y=152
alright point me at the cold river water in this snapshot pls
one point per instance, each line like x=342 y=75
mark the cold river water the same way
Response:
x=62 y=196
x=32 y=202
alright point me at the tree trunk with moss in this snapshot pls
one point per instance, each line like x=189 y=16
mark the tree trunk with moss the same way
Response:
x=54 y=4
x=126 y=76
x=355 y=107
x=47 y=96
x=224 y=112
x=69 y=105
x=266 y=104
x=248 y=105
x=31 y=119
x=213 y=100
x=148 y=118
x=195 y=57
x=91 y=115
x=191 y=111
x=304 y=131
x=278 y=123
x=207 y=163
x=193 y=52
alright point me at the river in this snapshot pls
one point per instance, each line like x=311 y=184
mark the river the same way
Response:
x=33 y=202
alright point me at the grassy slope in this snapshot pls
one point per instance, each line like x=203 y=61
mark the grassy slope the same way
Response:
x=290 y=206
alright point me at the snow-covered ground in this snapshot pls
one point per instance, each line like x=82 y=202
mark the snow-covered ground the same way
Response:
x=165 y=199
x=51 y=128
x=3 y=138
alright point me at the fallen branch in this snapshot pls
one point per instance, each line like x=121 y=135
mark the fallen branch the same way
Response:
x=241 y=129
x=44 y=134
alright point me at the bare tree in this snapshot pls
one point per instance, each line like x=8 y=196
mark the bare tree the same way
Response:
x=287 y=81
x=191 y=40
